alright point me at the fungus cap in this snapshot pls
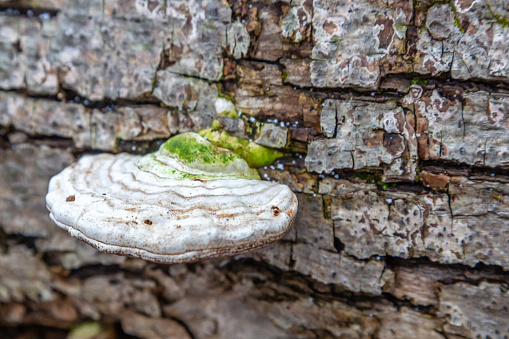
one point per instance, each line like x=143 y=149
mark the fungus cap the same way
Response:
x=190 y=200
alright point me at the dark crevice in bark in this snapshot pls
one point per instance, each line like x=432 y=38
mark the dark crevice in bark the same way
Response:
x=399 y=303
x=347 y=93
x=455 y=168
x=139 y=147
x=374 y=176
x=338 y=245
x=72 y=97
x=291 y=261
x=52 y=141
x=261 y=61
x=184 y=325
x=107 y=104
x=92 y=270
x=414 y=187
x=4 y=140
x=32 y=331
x=419 y=263
x=449 y=201
x=17 y=9
x=490 y=174
x=195 y=77
x=8 y=240
x=429 y=82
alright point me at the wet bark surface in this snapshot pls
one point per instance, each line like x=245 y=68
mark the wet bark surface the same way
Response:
x=394 y=120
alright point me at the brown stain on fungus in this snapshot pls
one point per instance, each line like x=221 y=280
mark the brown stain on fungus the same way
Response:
x=70 y=198
x=148 y=222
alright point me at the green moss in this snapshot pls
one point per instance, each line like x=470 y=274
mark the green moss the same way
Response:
x=222 y=94
x=370 y=176
x=433 y=3
x=190 y=156
x=418 y=173
x=190 y=150
x=229 y=109
x=402 y=28
x=254 y=154
x=87 y=330
x=336 y=40
x=154 y=84
x=210 y=25
x=422 y=28
x=458 y=23
x=215 y=124
x=417 y=81
x=457 y=20
x=416 y=7
x=145 y=47
x=228 y=114
x=150 y=164
x=502 y=20
x=209 y=154
x=284 y=75
x=253 y=127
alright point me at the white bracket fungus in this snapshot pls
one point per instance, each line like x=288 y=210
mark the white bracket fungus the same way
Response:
x=188 y=201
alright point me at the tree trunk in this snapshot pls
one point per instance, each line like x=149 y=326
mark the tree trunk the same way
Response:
x=394 y=120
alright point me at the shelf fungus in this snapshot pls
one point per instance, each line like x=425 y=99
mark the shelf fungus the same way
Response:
x=188 y=201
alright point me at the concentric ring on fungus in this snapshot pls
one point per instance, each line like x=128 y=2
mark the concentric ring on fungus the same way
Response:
x=188 y=201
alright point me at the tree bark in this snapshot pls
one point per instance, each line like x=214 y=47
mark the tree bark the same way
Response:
x=394 y=120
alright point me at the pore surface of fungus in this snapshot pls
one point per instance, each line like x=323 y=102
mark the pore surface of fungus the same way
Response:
x=188 y=201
